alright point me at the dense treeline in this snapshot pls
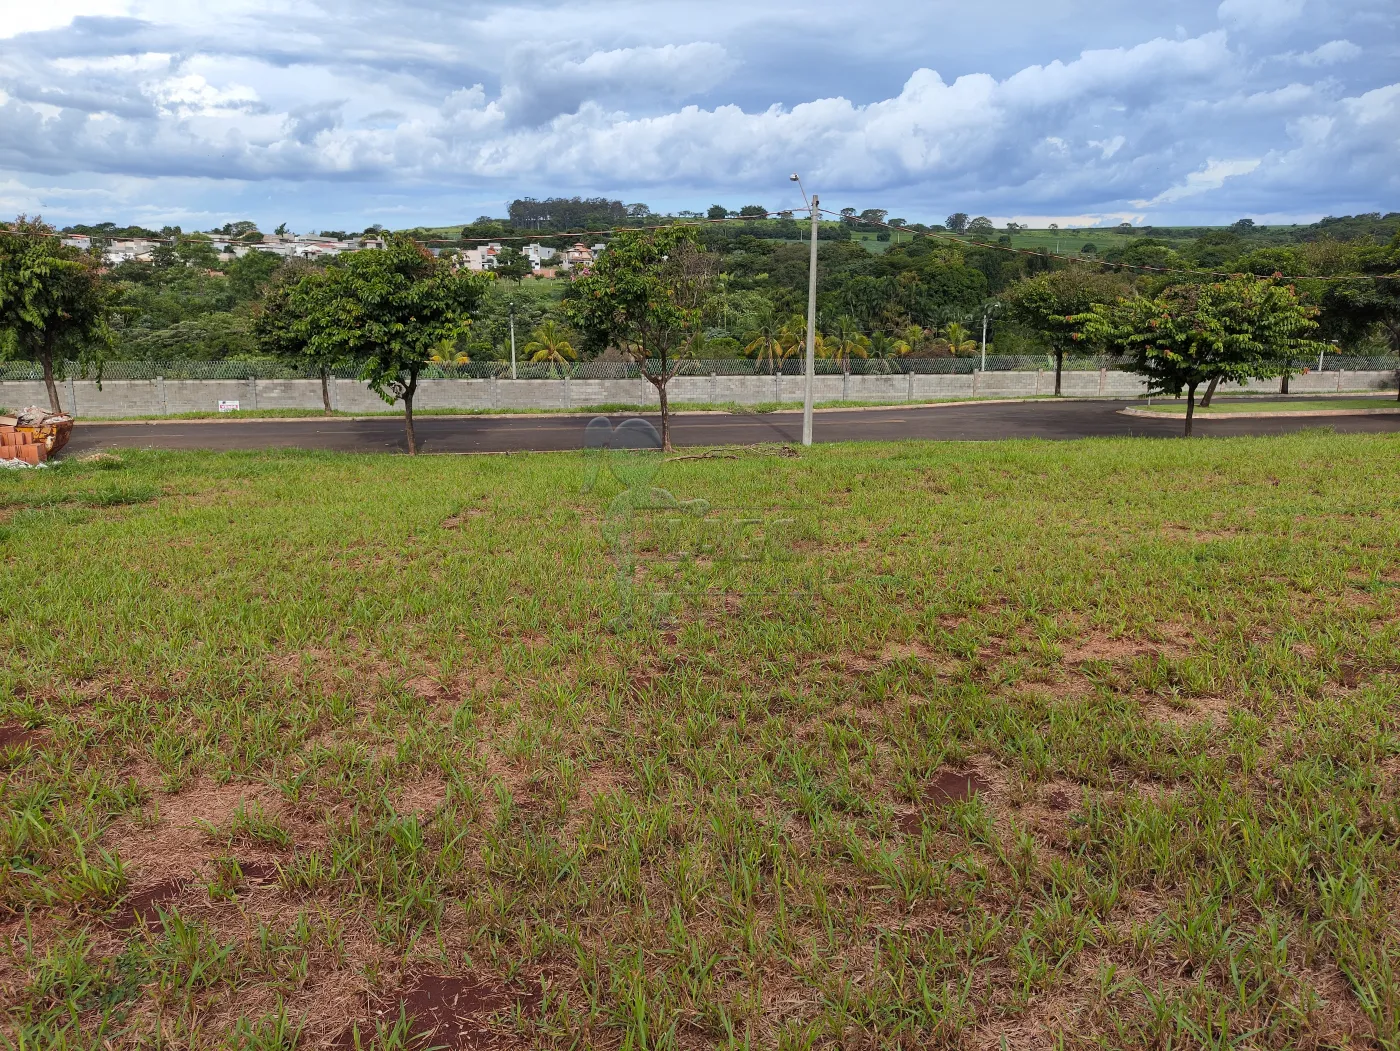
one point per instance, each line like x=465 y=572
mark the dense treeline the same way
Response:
x=922 y=295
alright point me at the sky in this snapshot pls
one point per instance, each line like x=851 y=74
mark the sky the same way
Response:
x=334 y=114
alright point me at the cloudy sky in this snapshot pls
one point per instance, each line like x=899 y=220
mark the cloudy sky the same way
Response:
x=339 y=114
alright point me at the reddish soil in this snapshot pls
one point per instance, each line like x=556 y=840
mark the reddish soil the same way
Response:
x=13 y=735
x=443 y=1012
x=258 y=871
x=141 y=906
x=949 y=787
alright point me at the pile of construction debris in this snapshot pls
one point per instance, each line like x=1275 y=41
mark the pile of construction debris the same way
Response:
x=33 y=436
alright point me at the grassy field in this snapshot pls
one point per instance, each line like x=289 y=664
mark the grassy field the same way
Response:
x=1303 y=403
x=1016 y=745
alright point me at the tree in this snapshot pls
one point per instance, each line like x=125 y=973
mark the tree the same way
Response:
x=284 y=329
x=874 y=216
x=52 y=300
x=753 y=211
x=1352 y=309
x=959 y=339
x=1051 y=303
x=646 y=295
x=281 y=230
x=765 y=339
x=957 y=222
x=512 y=264
x=389 y=309
x=1240 y=329
x=717 y=211
x=550 y=342
x=981 y=227
x=846 y=342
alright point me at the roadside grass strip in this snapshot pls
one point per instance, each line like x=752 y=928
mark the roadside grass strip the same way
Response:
x=1022 y=744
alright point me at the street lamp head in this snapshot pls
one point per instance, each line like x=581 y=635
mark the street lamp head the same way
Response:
x=793 y=177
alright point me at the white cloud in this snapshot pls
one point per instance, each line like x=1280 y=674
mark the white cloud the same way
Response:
x=1210 y=177
x=1259 y=14
x=21 y=17
x=391 y=105
x=1329 y=54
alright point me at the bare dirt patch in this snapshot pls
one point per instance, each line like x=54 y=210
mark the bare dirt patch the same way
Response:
x=14 y=736
x=143 y=906
x=442 y=1011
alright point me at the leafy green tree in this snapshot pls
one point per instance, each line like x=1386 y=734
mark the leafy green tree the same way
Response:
x=512 y=264
x=391 y=309
x=646 y=295
x=957 y=222
x=1051 y=303
x=1235 y=330
x=52 y=300
x=283 y=329
x=981 y=227
x=717 y=211
x=753 y=211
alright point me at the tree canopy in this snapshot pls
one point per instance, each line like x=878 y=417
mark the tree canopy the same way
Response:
x=1240 y=329
x=52 y=302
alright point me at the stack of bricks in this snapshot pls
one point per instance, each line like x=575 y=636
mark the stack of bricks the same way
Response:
x=16 y=444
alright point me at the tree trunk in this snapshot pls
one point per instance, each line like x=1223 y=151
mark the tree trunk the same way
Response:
x=326 y=389
x=1283 y=386
x=665 y=417
x=1059 y=367
x=1190 y=407
x=46 y=358
x=1210 y=392
x=408 y=393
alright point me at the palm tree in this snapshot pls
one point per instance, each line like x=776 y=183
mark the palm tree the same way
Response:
x=959 y=339
x=792 y=336
x=883 y=346
x=846 y=343
x=550 y=342
x=765 y=339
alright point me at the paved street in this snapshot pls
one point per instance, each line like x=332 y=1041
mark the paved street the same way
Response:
x=465 y=434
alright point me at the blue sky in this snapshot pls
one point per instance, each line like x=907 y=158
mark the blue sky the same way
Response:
x=341 y=114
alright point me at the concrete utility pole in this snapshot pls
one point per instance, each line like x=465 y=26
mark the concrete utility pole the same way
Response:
x=512 y=341
x=811 y=320
x=984 y=341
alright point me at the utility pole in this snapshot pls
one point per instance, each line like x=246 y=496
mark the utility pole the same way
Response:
x=984 y=341
x=811 y=331
x=512 y=341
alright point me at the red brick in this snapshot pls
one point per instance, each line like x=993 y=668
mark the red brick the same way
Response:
x=34 y=454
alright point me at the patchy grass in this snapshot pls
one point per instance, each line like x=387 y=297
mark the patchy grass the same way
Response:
x=1085 y=744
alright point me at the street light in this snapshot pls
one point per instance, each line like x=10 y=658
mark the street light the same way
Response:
x=811 y=317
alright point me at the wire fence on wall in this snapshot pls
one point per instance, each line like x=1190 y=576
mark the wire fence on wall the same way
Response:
x=273 y=369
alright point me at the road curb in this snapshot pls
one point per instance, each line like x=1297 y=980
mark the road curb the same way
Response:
x=1198 y=418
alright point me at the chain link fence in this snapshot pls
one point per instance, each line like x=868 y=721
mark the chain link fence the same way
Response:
x=273 y=369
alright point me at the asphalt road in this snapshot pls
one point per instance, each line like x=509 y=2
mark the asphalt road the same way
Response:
x=468 y=434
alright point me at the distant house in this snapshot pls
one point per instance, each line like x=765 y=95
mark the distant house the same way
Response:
x=129 y=249
x=482 y=257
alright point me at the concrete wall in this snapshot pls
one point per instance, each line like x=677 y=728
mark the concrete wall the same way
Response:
x=161 y=397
